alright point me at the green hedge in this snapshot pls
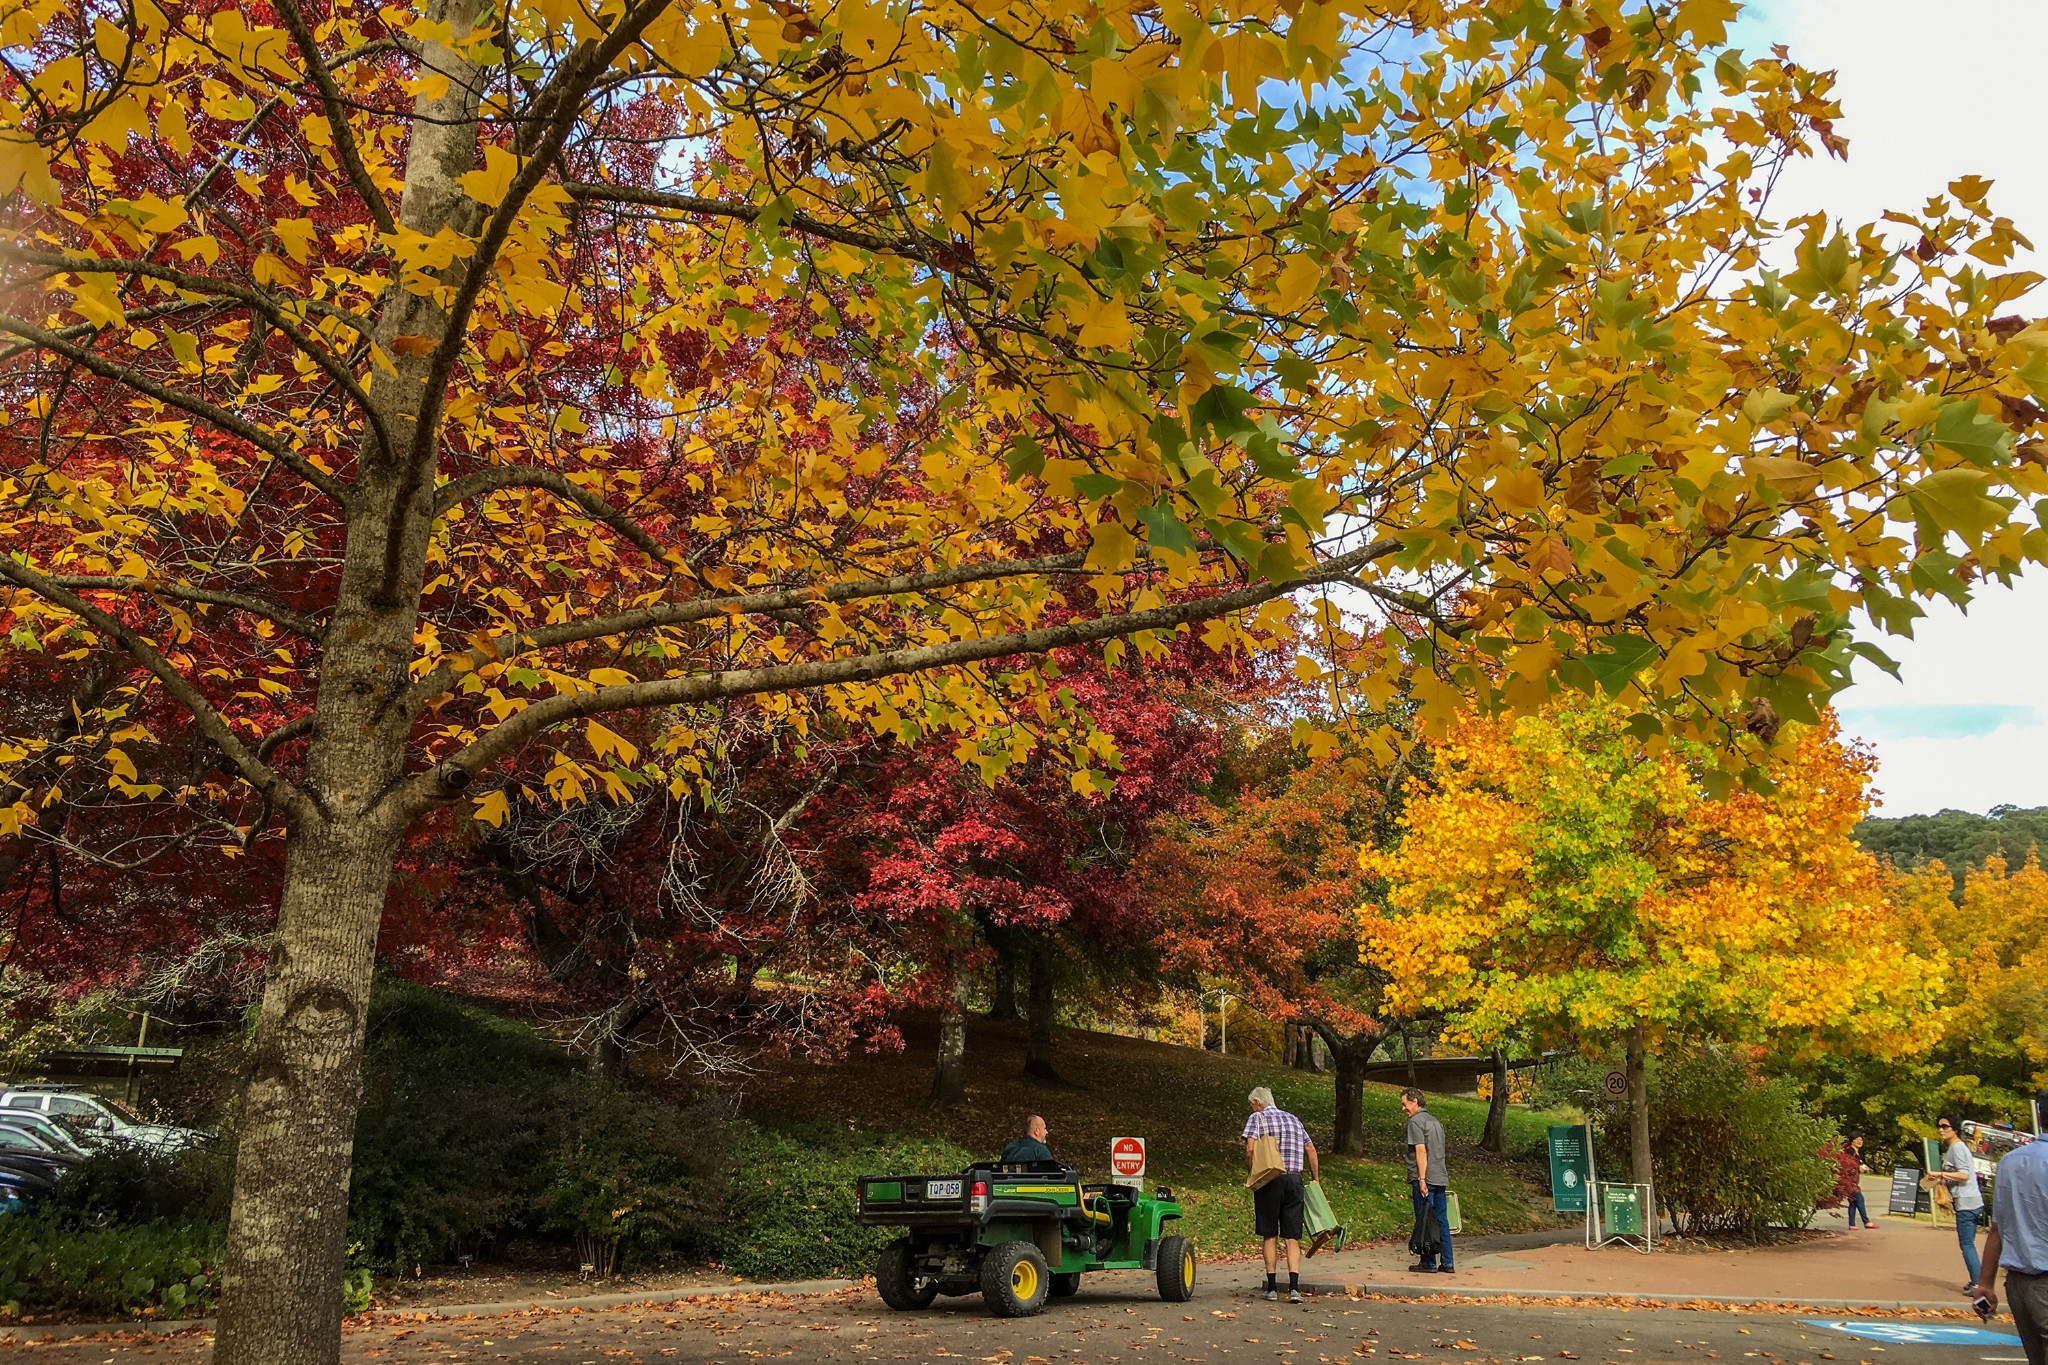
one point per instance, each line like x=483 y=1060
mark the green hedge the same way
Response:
x=789 y=1204
x=172 y=1269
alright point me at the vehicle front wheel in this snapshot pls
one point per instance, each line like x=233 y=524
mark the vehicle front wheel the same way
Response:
x=1067 y=1285
x=896 y=1278
x=1014 y=1281
x=1176 y=1269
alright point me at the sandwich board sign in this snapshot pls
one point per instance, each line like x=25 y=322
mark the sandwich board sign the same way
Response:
x=1571 y=1167
x=1127 y=1161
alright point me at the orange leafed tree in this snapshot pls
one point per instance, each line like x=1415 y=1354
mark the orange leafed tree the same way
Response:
x=1564 y=879
x=401 y=390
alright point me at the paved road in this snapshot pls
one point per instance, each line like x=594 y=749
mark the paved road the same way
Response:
x=1115 y=1321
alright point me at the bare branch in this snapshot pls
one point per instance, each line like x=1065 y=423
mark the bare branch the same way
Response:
x=184 y=402
x=298 y=625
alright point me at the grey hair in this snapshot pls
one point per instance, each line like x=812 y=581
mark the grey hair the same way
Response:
x=1262 y=1095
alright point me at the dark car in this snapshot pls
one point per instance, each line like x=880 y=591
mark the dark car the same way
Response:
x=21 y=1191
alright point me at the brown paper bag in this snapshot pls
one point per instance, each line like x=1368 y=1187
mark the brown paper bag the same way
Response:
x=1265 y=1162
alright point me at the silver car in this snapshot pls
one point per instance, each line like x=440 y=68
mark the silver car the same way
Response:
x=94 y=1118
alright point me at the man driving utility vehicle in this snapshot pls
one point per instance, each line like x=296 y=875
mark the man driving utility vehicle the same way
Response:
x=1030 y=1147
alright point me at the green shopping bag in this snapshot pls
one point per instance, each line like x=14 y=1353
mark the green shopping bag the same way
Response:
x=1319 y=1225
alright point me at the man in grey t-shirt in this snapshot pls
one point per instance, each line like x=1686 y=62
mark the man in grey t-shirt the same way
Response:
x=1429 y=1181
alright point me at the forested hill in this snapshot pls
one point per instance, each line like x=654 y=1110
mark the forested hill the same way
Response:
x=1960 y=839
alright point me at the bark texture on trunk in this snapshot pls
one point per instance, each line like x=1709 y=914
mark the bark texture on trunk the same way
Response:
x=1038 y=1048
x=949 y=1084
x=1640 y=1164
x=1495 y=1137
x=288 y=1228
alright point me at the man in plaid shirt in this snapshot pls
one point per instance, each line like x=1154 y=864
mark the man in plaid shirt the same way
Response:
x=1277 y=1205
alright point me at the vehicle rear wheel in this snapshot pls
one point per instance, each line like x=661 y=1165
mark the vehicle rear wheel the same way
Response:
x=1067 y=1285
x=1014 y=1281
x=1176 y=1269
x=897 y=1281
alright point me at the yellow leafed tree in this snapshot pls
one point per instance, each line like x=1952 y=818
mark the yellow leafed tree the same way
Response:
x=1563 y=880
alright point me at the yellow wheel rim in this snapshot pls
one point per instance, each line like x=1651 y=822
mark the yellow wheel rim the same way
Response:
x=1187 y=1270
x=1024 y=1281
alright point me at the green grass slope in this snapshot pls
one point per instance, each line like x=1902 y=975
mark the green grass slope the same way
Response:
x=1190 y=1107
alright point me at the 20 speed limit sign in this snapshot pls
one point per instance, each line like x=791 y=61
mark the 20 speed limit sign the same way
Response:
x=1127 y=1157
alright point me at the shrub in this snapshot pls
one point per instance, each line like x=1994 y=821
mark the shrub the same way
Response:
x=461 y=1110
x=635 y=1181
x=474 y=1127
x=1733 y=1151
x=136 y=1185
x=789 y=1204
x=170 y=1269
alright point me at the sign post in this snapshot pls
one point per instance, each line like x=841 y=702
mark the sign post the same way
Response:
x=1127 y=1161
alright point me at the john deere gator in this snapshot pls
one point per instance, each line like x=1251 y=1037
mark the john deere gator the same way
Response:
x=1017 y=1234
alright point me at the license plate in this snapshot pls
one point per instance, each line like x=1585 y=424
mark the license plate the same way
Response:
x=942 y=1189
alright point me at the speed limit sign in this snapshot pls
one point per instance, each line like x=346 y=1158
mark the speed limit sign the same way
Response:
x=1615 y=1082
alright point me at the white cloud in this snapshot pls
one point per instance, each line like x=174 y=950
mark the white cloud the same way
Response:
x=1929 y=95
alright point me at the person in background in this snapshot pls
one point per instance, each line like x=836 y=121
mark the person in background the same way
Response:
x=1030 y=1147
x=2019 y=1242
x=1429 y=1180
x=1277 y=1205
x=1856 y=1204
x=1959 y=1170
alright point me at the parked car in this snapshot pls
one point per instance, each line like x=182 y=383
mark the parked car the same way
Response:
x=94 y=1118
x=21 y=1191
x=43 y=1126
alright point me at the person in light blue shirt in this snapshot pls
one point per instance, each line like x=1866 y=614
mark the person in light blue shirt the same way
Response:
x=2019 y=1242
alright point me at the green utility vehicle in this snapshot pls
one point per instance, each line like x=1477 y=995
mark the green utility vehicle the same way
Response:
x=1017 y=1234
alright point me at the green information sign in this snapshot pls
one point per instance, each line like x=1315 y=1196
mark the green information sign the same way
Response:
x=1621 y=1210
x=1571 y=1166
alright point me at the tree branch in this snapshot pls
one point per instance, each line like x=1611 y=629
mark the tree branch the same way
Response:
x=337 y=116
x=250 y=298
x=587 y=192
x=211 y=723
x=184 y=402
x=500 y=477
x=427 y=790
x=751 y=604
x=304 y=626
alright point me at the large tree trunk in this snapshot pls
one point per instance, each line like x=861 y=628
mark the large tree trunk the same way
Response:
x=1639 y=1120
x=288 y=1227
x=1349 y=1057
x=1003 y=998
x=281 y=1284
x=949 y=1085
x=1038 y=1048
x=1495 y=1138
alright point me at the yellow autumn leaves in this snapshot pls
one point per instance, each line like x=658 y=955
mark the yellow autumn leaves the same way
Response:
x=1562 y=882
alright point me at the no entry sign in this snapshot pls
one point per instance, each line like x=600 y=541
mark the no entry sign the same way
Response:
x=1127 y=1160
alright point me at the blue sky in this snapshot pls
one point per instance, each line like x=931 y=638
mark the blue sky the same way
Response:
x=1929 y=94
